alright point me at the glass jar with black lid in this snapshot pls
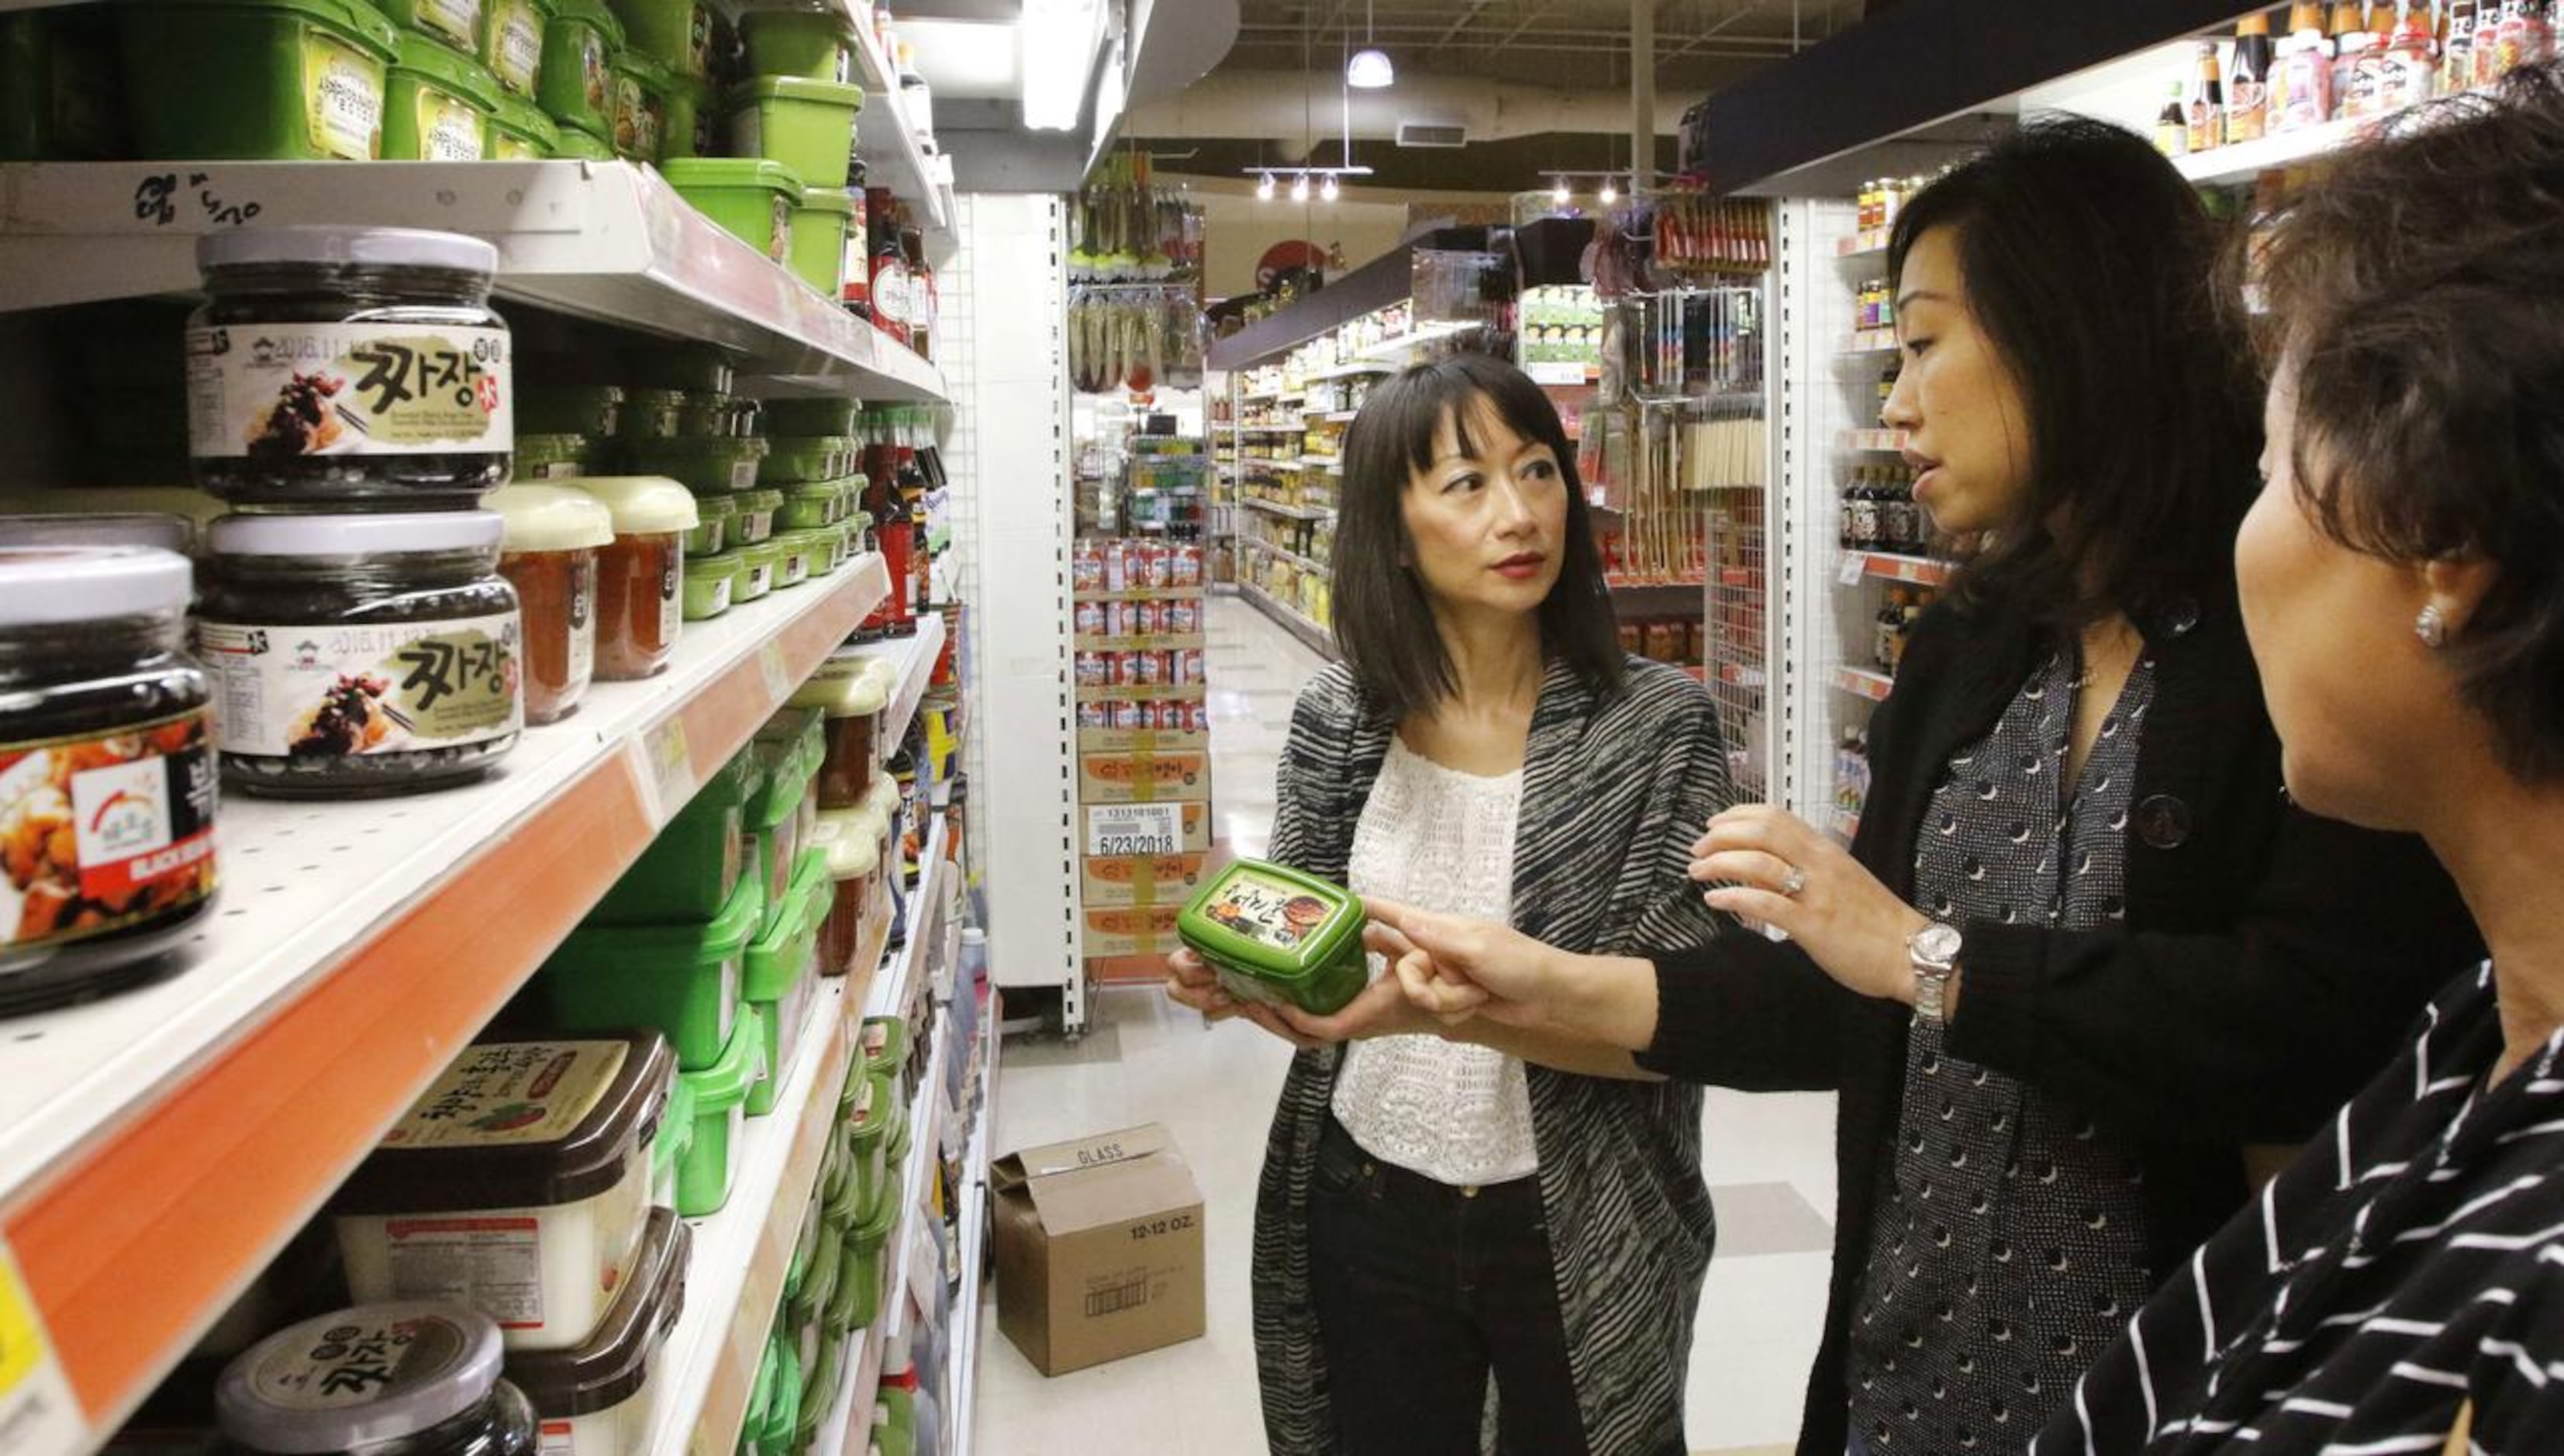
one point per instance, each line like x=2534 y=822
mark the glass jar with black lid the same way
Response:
x=350 y=368
x=108 y=792
x=360 y=655
x=393 y=1379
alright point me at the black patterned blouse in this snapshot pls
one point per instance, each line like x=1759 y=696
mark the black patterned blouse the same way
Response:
x=2011 y=1246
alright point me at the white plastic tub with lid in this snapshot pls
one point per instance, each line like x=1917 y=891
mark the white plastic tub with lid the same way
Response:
x=519 y=1185
x=602 y=1399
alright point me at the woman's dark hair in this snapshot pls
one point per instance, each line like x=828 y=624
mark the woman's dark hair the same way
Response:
x=2417 y=291
x=1384 y=622
x=2091 y=265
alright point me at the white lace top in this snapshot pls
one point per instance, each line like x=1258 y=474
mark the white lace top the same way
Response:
x=1440 y=839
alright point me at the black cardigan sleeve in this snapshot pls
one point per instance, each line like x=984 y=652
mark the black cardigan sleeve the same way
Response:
x=1749 y=1013
x=2255 y=1033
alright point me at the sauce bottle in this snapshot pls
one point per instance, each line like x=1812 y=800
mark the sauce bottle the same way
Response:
x=2171 y=129
x=2247 y=77
x=2408 y=70
x=2204 y=113
x=2458 y=50
x=2307 y=70
x=2354 y=62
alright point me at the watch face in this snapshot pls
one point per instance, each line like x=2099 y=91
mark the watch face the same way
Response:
x=1937 y=943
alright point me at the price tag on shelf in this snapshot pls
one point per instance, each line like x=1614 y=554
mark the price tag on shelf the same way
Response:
x=662 y=769
x=1123 y=830
x=37 y=1412
x=1854 y=563
x=778 y=674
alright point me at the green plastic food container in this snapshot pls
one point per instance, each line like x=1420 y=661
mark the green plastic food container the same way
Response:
x=819 y=1395
x=884 y=1044
x=761 y=1395
x=710 y=585
x=58 y=95
x=816 y=45
x=521 y=132
x=806 y=1312
x=870 y=1112
x=778 y=980
x=760 y=564
x=895 y=1434
x=1275 y=936
x=688 y=874
x=756 y=513
x=577 y=145
x=512 y=43
x=455 y=23
x=801 y=459
x=690 y=119
x=720 y=1109
x=813 y=416
x=437 y=105
x=284 y=80
x=641 y=86
x=771 y=824
x=699 y=368
x=805 y=556
x=668 y=1149
x=713 y=512
x=812 y=507
x=819 y=237
x=682 y=979
x=575 y=82
x=748 y=198
x=704 y=466
x=808 y=125
x=592 y=410
x=651 y=413
x=792 y=1407
x=676 y=34
x=551 y=457
x=710 y=415
x=859 y=1272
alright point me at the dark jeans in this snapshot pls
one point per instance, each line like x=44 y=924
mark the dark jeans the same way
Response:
x=1423 y=1291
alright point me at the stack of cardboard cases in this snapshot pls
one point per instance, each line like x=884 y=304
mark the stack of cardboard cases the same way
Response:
x=1142 y=748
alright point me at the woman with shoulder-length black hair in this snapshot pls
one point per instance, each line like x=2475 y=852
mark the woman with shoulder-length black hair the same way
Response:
x=1441 y=1214
x=2082 y=949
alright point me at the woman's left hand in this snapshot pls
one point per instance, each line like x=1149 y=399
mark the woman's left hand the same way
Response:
x=1854 y=926
x=1382 y=1009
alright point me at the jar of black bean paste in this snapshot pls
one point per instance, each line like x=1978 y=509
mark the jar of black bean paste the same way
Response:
x=360 y=655
x=349 y=368
x=396 y=1379
x=108 y=790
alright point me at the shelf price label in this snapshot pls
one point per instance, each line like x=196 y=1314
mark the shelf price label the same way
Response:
x=1121 y=830
x=664 y=769
x=38 y=1415
x=778 y=675
x=1854 y=563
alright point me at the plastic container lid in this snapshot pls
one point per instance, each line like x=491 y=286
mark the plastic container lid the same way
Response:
x=449 y=69
x=518 y=1124
x=796 y=89
x=644 y=504
x=828 y=199
x=852 y=854
x=683 y=172
x=390 y=535
x=372 y=247
x=724 y=1084
x=157 y=529
x=48 y=585
x=716 y=508
x=526 y=119
x=339 y=1383
x=853 y=695
x=552 y=519
x=592 y=12
x=199 y=507
x=612 y=1365
x=766 y=499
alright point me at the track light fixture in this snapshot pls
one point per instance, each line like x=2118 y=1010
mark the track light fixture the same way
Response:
x=1300 y=188
x=1328 y=189
x=1264 y=188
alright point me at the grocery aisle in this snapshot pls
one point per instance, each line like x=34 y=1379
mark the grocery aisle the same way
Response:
x=1147 y=1060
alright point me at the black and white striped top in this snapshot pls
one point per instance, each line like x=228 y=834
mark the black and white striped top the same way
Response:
x=2407 y=1264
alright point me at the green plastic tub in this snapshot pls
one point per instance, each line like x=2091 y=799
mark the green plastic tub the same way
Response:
x=801 y=459
x=690 y=871
x=704 y=466
x=805 y=1313
x=455 y=23
x=58 y=96
x=812 y=507
x=802 y=555
x=720 y=1109
x=710 y=585
x=808 y=125
x=772 y=821
x=676 y=34
x=859 y=1270
x=885 y=1048
x=651 y=413
x=778 y=980
x=710 y=415
x=691 y=118
x=895 y=1434
x=577 y=145
x=682 y=979
x=757 y=511
x=758 y=564
x=815 y=45
x=820 y=1394
x=592 y=410
x=747 y=198
x=284 y=80
x=713 y=512
x=557 y=456
x=641 y=86
x=870 y=1110
x=668 y=1149
x=512 y=43
x=815 y=416
x=437 y=105
x=791 y=1408
x=698 y=368
x=521 y=132
x=819 y=237
x=575 y=82
x=1274 y=935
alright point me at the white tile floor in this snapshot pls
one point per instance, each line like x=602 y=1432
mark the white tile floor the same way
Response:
x=1771 y=1171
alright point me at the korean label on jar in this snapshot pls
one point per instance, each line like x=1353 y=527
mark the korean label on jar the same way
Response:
x=106 y=831
x=511 y=1093
x=595 y=79
x=494 y=1265
x=449 y=128
x=582 y=622
x=357 y=1360
x=455 y=21
x=342 y=98
x=337 y=692
x=1267 y=910
x=272 y=392
x=517 y=44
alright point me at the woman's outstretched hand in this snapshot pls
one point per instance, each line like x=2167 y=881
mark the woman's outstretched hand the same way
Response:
x=1453 y=968
x=1772 y=866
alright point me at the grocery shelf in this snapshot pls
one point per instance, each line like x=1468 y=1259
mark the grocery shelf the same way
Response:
x=1141 y=594
x=1863 y=683
x=1891 y=566
x=1427 y=332
x=2245 y=160
x=1270 y=430
x=1867 y=243
x=1300 y=625
x=1287 y=513
x=1875 y=442
x=887 y=138
x=1869 y=342
x=171 y=1138
x=1328 y=463
x=1349 y=371
x=915 y=655
x=896 y=986
x=962 y=1364
x=1735 y=674
x=1331 y=416
x=609 y=241
x=1294 y=557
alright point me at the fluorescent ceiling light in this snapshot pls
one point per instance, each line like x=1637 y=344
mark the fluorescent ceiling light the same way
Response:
x=1370 y=71
x=1558 y=193
x=1327 y=188
x=1058 y=38
x=1300 y=188
x=1264 y=188
x=1610 y=193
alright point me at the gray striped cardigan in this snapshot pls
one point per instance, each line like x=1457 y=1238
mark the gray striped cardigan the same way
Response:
x=1614 y=791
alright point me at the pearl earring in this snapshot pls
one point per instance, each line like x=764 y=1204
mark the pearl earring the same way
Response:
x=2432 y=627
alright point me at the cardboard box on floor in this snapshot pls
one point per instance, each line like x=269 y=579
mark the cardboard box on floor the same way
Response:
x=1099 y=1248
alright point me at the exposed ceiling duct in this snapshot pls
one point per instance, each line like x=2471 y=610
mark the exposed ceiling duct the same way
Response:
x=1291 y=109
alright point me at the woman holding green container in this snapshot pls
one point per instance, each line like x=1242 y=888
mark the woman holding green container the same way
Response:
x=1484 y=743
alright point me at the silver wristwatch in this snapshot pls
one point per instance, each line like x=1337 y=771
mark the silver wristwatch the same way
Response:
x=1934 y=950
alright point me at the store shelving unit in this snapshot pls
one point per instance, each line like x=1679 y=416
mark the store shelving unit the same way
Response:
x=961 y=1372
x=887 y=135
x=1863 y=683
x=354 y=949
x=1287 y=513
x=605 y=241
x=1293 y=620
x=2245 y=161
x=1294 y=557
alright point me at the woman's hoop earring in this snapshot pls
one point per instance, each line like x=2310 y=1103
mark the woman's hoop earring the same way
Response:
x=2431 y=626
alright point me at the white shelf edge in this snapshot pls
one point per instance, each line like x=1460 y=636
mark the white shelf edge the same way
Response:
x=894 y=986
x=962 y=1361
x=888 y=113
x=1294 y=557
x=2245 y=160
x=1297 y=623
